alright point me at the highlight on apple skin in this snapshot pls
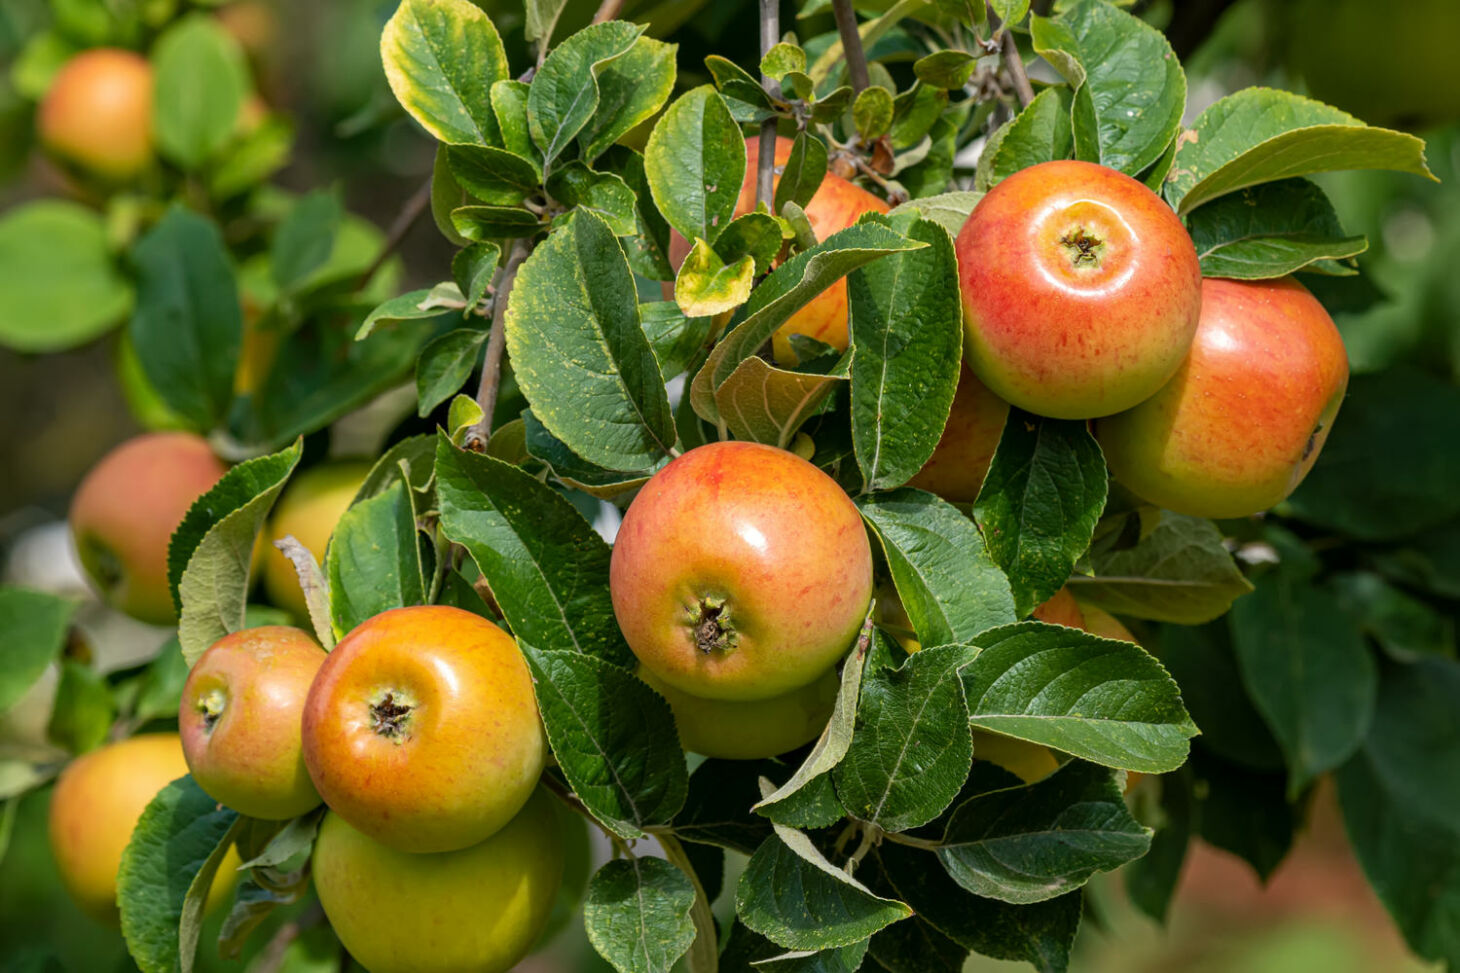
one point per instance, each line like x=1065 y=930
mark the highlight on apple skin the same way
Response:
x=97 y=113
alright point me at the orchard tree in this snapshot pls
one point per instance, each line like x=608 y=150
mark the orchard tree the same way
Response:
x=894 y=436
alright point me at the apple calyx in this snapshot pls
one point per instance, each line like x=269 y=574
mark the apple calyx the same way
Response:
x=212 y=704
x=390 y=715
x=1082 y=248
x=710 y=622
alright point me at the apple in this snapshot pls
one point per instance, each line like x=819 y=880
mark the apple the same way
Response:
x=1239 y=426
x=1061 y=609
x=96 y=803
x=836 y=205
x=1027 y=761
x=750 y=730
x=740 y=572
x=961 y=459
x=421 y=729
x=480 y=908
x=124 y=513
x=1100 y=622
x=240 y=715
x=308 y=511
x=1081 y=290
x=97 y=113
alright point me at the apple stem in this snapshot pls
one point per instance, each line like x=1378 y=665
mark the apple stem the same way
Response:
x=477 y=435
x=607 y=10
x=770 y=33
x=856 y=58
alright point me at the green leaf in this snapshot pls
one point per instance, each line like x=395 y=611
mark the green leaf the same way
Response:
x=547 y=568
x=1307 y=670
x=200 y=79
x=565 y=92
x=706 y=286
x=1039 y=503
x=1150 y=881
x=493 y=175
x=872 y=113
x=648 y=247
x=509 y=107
x=1129 y=87
x=1104 y=701
x=252 y=158
x=478 y=223
x=781 y=59
x=187 y=326
x=59 y=286
x=756 y=234
x=83 y=711
x=1179 y=572
x=948 y=209
x=1270 y=231
x=631 y=88
x=907 y=340
x=542 y=20
x=788 y=289
x=1399 y=801
x=914 y=946
x=446 y=196
x=374 y=559
x=1201 y=660
x=35 y=624
x=766 y=404
x=614 y=739
x=1390 y=465
x=749 y=952
x=418 y=305
x=445 y=365
x=441 y=59
x=580 y=353
x=914 y=114
x=637 y=914
x=1010 y=12
x=1041 y=132
x=945 y=69
x=802 y=174
x=797 y=899
x=166 y=872
x=1262 y=135
x=1031 y=844
x=473 y=269
x=603 y=193
x=1040 y=934
x=740 y=89
x=305 y=238
x=717 y=809
x=1407 y=627
x=573 y=470
x=211 y=551
x=912 y=749
x=695 y=163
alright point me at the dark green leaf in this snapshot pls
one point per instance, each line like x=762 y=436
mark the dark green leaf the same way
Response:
x=1203 y=664
x=604 y=193
x=1270 y=231
x=1151 y=881
x=637 y=914
x=750 y=952
x=509 y=107
x=421 y=305
x=648 y=247
x=305 y=238
x=574 y=470
x=478 y=223
x=802 y=174
x=473 y=269
x=565 y=94
x=491 y=174
x=35 y=624
x=375 y=559
x=677 y=340
x=948 y=209
x=1405 y=626
x=441 y=59
x=1039 y=133
x=444 y=366
x=914 y=946
x=717 y=810
x=1244 y=812
x=695 y=162
x=945 y=69
x=631 y=88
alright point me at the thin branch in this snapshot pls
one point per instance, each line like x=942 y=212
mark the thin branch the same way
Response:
x=1014 y=64
x=271 y=957
x=404 y=220
x=846 y=26
x=770 y=34
x=898 y=838
x=608 y=10
x=477 y=435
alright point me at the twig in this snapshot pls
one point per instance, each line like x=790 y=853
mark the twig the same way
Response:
x=871 y=834
x=770 y=33
x=477 y=435
x=1014 y=64
x=846 y=26
x=608 y=10
x=898 y=838
x=404 y=220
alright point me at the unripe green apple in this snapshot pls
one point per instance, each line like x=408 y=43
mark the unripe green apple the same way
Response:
x=240 y=714
x=740 y=572
x=836 y=205
x=1239 y=426
x=308 y=511
x=98 y=112
x=750 y=730
x=961 y=459
x=1081 y=290
x=97 y=802
x=124 y=513
x=477 y=909
x=421 y=729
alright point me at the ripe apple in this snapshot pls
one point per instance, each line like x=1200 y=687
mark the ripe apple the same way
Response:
x=1081 y=290
x=421 y=729
x=1061 y=609
x=240 y=714
x=961 y=459
x=96 y=803
x=98 y=113
x=1239 y=426
x=750 y=730
x=740 y=572
x=836 y=205
x=479 y=908
x=309 y=509
x=125 y=511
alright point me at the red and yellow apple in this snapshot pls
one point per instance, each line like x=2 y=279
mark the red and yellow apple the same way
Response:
x=421 y=729
x=240 y=716
x=836 y=205
x=1239 y=426
x=1061 y=609
x=752 y=729
x=479 y=908
x=97 y=113
x=961 y=459
x=308 y=511
x=97 y=802
x=740 y=572
x=124 y=513
x=1081 y=290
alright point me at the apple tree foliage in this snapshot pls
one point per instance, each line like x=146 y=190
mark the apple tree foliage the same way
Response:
x=888 y=843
